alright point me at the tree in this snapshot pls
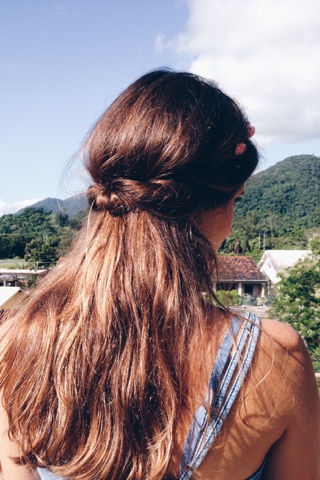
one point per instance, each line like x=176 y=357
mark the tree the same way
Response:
x=35 y=235
x=39 y=251
x=314 y=244
x=228 y=298
x=12 y=245
x=298 y=302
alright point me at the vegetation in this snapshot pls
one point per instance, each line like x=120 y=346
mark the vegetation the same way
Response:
x=280 y=208
x=298 y=302
x=280 y=201
x=35 y=235
x=228 y=298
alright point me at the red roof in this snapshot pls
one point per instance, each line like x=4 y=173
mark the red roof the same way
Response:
x=238 y=268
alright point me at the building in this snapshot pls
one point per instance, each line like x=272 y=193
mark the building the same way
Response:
x=8 y=297
x=13 y=277
x=274 y=262
x=240 y=273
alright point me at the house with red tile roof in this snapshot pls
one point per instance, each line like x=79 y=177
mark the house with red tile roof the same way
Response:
x=240 y=273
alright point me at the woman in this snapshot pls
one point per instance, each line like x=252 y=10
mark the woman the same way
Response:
x=104 y=373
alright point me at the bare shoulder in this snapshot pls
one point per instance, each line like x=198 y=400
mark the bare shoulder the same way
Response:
x=282 y=334
x=284 y=347
x=284 y=388
x=288 y=387
x=276 y=415
x=288 y=370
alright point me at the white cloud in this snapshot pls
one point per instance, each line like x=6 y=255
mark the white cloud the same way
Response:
x=266 y=53
x=6 y=207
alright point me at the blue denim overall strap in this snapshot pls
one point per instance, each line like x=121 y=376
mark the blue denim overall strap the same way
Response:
x=223 y=390
x=47 y=475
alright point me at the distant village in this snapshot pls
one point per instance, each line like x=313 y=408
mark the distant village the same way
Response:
x=256 y=284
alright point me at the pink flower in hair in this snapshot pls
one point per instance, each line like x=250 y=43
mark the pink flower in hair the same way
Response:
x=242 y=147
x=251 y=130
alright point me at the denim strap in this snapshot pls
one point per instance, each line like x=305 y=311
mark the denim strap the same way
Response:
x=203 y=431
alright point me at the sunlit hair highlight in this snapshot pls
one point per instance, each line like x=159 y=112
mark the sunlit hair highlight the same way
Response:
x=96 y=374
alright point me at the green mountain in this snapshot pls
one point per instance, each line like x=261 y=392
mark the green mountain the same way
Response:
x=289 y=190
x=280 y=208
x=35 y=235
x=71 y=206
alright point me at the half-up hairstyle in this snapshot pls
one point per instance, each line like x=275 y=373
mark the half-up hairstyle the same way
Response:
x=96 y=373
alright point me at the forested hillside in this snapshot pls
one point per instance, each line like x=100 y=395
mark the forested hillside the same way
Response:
x=290 y=189
x=36 y=235
x=280 y=209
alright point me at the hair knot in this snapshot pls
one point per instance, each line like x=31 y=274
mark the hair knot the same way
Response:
x=163 y=197
x=100 y=197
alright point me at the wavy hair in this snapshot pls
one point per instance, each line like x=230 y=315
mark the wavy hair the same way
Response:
x=96 y=374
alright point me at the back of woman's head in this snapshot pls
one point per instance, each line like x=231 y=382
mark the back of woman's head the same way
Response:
x=167 y=145
x=109 y=338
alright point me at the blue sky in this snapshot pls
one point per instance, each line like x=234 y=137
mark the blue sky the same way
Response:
x=63 y=61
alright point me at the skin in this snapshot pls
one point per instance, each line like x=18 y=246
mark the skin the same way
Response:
x=7 y=449
x=277 y=413
x=216 y=225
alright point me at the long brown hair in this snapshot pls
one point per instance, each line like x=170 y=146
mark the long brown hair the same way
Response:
x=96 y=372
